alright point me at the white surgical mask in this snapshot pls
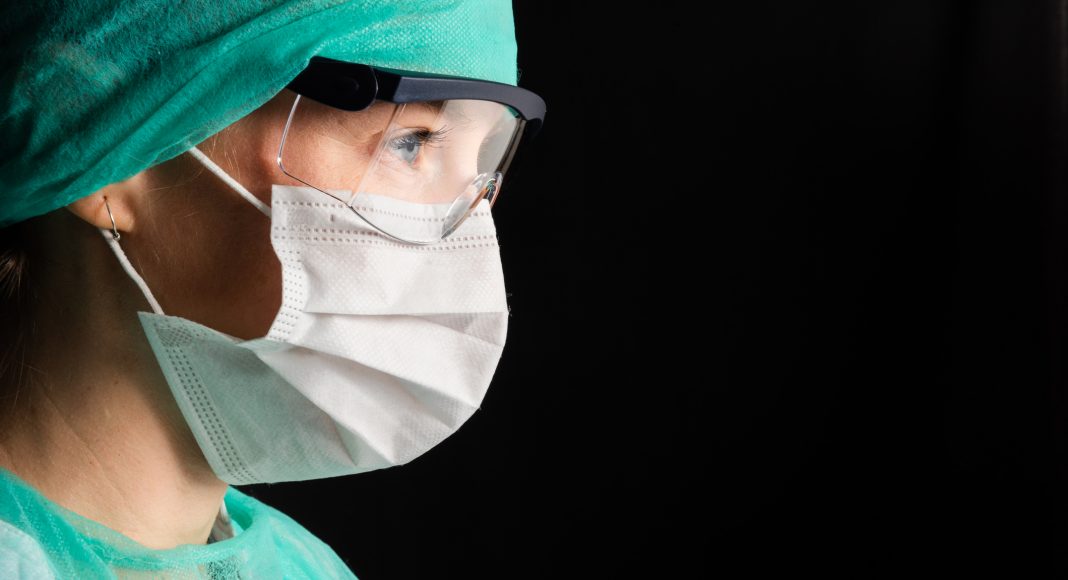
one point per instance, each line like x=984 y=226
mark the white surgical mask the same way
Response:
x=381 y=349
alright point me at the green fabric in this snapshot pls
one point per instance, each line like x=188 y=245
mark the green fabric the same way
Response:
x=92 y=92
x=38 y=535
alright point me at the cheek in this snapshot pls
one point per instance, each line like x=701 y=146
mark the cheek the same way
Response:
x=213 y=263
x=253 y=161
x=207 y=255
x=245 y=291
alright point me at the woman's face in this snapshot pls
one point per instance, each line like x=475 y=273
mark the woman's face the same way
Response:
x=205 y=252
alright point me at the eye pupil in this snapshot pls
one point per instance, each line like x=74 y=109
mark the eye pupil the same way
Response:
x=407 y=147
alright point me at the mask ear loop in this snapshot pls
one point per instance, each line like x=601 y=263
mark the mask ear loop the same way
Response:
x=240 y=189
x=112 y=236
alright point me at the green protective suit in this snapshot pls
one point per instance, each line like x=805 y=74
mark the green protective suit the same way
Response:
x=41 y=540
x=93 y=92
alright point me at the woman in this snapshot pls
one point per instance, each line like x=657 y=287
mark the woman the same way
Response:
x=325 y=299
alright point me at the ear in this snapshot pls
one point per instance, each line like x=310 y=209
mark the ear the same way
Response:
x=122 y=198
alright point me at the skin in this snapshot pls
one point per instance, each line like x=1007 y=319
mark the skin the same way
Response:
x=96 y=429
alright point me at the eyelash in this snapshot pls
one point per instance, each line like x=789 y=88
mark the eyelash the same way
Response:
x=420 y=137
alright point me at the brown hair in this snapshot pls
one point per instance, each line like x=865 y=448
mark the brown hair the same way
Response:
x=16 y=296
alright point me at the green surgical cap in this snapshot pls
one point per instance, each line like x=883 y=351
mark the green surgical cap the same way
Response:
x=95 y=91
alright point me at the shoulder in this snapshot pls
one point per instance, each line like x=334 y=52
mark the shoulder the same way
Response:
x=304 y=549
x=20 y=555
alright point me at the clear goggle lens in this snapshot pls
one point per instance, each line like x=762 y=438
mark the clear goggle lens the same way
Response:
x=414 y=171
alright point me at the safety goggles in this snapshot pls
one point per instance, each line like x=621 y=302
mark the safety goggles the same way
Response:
x=412 y=154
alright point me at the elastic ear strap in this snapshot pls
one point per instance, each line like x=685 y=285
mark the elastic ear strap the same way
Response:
x=218 y=171
x=126 y=265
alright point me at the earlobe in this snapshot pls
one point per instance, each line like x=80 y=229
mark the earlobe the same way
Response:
x=114 y=214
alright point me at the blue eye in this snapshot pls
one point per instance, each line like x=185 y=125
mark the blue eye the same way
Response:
x=409 y=145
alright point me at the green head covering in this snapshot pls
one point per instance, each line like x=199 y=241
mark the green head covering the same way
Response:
x=94 y=91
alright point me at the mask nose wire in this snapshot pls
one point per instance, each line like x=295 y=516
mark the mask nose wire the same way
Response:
x=218 y=171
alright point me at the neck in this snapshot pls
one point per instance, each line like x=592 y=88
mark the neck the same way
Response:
x=95 y=427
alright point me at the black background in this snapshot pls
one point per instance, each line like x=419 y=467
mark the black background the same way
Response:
x=788 y=285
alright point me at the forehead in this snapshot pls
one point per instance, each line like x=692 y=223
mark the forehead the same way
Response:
x=459 y=110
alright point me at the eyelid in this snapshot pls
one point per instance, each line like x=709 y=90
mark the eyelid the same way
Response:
x=425 y=135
